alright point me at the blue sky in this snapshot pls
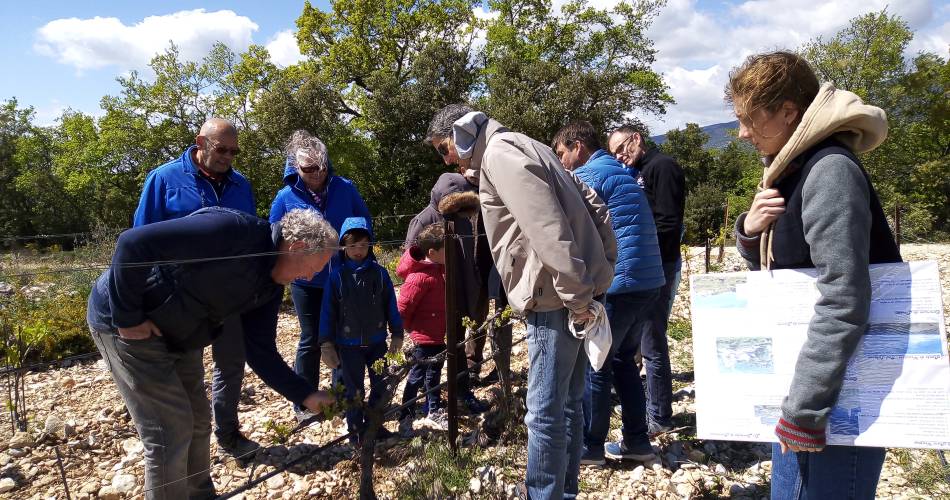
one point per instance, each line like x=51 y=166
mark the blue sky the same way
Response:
x=58 y=54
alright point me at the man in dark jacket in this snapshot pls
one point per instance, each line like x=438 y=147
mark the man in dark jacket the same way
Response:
x=663 y=180
x=170 y=286
x=203 y=177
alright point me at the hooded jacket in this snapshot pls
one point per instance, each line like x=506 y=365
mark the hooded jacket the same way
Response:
x=549 y=233
x=342 y=201
x=639 y=264
x=188 y=301
x=832 y=220
x=177 y=189
x=422 y=297
x=359 y=299
x=453 y=195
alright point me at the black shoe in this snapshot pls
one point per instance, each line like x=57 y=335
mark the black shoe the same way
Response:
x=475 y=407
x=237 y=446
x=489 y=379
x=655 y=428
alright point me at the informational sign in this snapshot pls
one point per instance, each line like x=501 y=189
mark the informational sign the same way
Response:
x=749 y=327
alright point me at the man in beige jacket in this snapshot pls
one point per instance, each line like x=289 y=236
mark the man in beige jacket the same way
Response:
x=552 y=242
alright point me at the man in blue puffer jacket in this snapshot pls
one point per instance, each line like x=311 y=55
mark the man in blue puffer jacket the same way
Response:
x=638 y=277
x=202 y=177
x=311 y=184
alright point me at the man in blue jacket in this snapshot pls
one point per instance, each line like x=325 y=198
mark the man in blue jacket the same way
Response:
x=152 y=322
x=202 y=177
x=638 y=276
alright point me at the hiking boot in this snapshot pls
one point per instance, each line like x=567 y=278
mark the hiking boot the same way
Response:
x=592 y=457
x=405 y=426
x=474 y=406
x=620 y=451
x=237 y=446
x=655 y=428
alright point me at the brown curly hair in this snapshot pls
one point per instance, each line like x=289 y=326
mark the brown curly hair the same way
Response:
x=766 y=81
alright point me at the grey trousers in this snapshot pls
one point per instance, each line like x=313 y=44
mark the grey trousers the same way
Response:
x=165 y=394
x=227 y=351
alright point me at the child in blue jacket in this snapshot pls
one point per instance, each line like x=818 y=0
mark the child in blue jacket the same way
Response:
x=358 y=303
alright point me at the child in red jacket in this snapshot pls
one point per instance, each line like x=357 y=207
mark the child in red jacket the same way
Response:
x=421 y=304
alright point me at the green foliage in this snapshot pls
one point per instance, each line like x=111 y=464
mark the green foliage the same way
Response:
x=543 y=68
x=281 y=432
x=441 y=473
x=686 y=146
x=680 y=329
x=867 y=58
x=926 y=473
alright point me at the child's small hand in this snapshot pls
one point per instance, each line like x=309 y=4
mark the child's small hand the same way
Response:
x=329 y=356
x=395 y=345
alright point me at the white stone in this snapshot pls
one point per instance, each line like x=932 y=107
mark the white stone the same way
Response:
x=7 y=484
x=276 y=482
x=54 y=425
x=637 y=473
x=109 y=493
x=132 y=446
x=21 y=440
x=720 y=469
x=123 y=483
x=475 y=485
x=17 y=452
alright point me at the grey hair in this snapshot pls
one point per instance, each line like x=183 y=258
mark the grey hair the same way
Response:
x=311 y=145
x=441 y=123
x=308 y=226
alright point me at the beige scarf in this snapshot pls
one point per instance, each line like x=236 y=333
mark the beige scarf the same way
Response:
x=834 y=112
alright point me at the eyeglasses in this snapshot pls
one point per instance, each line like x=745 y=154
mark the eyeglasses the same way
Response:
x=221 y=150
x=622 y=147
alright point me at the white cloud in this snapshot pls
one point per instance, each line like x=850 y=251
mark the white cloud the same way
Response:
x=697 y=47
x=284 y=50
x=106 y=41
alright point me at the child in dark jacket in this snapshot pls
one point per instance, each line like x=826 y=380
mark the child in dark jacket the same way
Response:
x=421 y=304
x=358 y=303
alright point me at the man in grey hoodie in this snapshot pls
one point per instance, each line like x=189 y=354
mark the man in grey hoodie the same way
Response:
x=552 y=242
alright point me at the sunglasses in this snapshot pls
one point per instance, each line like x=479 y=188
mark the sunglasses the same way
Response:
x=443 y=148
x=310 y=168
x=221 y=150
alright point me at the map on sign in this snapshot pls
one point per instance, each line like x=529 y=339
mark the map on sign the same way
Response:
x=749 y=327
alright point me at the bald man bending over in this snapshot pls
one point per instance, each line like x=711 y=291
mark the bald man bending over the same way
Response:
x=202 y=177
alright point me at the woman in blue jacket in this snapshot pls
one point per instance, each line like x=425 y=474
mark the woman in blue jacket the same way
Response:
x=311 y=183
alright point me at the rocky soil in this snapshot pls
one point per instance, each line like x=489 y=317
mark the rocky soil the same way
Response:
x=77 y=411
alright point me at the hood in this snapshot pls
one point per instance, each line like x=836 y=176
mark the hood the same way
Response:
x=291 y=177
x=837 y=113
x=413 y=261
x=485 y=131
x=465 y=132
x=354 y=223
x=834 y=112
x=447 y=184
x=463 y=204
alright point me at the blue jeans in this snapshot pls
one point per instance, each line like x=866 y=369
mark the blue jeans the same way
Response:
x=426 y=376
x=627 y=313
x=555 y=417
x=845 y=472
x=355 y=361
x=655 y=350
x=307 y=303
x=227 y=351
x=164 y=392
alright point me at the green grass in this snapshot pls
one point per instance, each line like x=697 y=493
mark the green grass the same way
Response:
x=439 y=474
x=680 y=329
x=924 y=471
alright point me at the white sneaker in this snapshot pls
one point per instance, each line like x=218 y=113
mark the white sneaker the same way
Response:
x=303 y=415
x=438 y=420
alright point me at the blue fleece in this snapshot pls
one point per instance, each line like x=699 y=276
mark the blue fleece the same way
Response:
x=639 y=265
x=342 y=201
x=331 y=310
x=177 y=189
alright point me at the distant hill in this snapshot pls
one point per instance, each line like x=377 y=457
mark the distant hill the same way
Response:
x=718 y=134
